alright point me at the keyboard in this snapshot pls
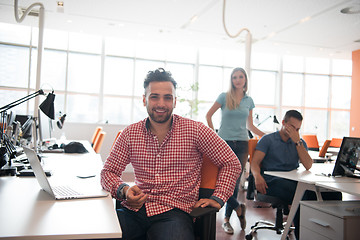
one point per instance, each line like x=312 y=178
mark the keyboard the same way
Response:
x=65 y=191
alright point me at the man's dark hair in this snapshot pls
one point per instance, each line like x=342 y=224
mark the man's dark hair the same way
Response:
x=159 y=75
x=294 y=114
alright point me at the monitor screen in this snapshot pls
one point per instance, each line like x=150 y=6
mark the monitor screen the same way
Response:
x=26 y=123
x=348 y=158
x=45 y=127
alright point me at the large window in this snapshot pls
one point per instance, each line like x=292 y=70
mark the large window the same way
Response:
x=100 y=79
x=321 y=90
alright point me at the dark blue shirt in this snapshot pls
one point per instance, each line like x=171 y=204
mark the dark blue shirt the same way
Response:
x=279 y=155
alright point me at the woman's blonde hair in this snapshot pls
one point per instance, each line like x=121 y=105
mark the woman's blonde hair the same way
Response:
x=231 y=103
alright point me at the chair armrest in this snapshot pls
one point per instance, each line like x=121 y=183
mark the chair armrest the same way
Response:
x=200 y=211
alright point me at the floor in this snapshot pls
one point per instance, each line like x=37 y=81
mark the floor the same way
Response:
x=255 y=211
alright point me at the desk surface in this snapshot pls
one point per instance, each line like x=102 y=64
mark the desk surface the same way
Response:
x=27 y=212
x=313 y=179
x=317 y=173
x=348 y=187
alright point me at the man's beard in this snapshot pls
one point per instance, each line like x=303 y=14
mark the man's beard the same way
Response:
x=159 y=119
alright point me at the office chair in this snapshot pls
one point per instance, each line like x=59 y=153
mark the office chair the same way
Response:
x=280 y=206
x=246 y=171
x=95 y=135
x=336 y=142
x=324 y=148
x=311 y=141
x=117 y=135
x=99 y=141
x=281 y=210
x=250 y=189
x=205 y=218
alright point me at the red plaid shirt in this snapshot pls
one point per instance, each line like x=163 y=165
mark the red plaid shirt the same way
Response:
x=170 y=172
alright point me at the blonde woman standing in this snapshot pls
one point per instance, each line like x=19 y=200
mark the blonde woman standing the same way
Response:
x=236 y=117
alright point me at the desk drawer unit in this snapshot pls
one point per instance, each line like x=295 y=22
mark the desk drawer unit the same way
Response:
x=329 y=220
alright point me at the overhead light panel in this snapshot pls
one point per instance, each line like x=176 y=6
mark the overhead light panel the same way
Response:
x=60 y=6
x=305 y=19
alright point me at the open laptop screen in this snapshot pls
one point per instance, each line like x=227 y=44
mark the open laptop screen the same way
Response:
x=348 y=158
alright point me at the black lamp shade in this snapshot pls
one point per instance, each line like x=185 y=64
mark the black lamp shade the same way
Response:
x=47 y=106
x=275 y=120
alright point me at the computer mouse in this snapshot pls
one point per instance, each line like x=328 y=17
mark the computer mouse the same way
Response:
x=75 y=147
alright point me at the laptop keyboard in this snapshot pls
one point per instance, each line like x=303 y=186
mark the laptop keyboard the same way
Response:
x=65 y=191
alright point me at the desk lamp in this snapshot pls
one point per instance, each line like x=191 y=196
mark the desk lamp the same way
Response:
x=257 y=120
x=8 y=151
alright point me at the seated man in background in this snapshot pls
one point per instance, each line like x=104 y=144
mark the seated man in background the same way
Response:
x=282 y=151
x=166 y=152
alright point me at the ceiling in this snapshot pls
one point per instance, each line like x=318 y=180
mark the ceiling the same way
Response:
x=307 y=27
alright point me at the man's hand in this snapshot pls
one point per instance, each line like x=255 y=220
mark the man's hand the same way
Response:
x=292 y=132
x=204 y=202
x=260 y=184
x=135 y=198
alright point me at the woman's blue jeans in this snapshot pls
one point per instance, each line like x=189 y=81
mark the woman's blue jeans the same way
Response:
x=240 y=148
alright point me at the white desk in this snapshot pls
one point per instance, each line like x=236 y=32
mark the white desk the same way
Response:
x=348 y=187
x=311 y=180
x=27 y=212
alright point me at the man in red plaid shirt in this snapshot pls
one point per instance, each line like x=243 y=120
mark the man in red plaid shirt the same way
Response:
x=166 y=152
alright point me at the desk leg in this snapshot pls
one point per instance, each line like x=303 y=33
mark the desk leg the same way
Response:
x=300 y=190
x=318 y=193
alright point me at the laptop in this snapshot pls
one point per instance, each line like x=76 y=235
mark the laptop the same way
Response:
x=59 y=192
x=347 y=161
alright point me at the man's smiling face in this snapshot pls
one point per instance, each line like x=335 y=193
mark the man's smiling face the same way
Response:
x=160 y=101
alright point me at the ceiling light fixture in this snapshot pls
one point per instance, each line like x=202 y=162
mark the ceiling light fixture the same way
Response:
x=271 y=35
x=40 y=48
x=351 y=10
x=194 y=18
x=60 y=6
x=248 y=41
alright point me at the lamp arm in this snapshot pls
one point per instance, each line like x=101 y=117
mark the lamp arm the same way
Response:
x=21 y=100
x=264 y=120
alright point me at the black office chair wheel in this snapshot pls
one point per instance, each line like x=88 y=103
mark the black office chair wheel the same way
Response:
x=248 y=237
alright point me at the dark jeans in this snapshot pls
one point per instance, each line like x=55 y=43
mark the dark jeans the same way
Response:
x=240 y=148
x=172 y=225
x=285 y=190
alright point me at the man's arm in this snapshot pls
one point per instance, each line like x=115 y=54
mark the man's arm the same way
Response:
x=304 y=156
x=210 y=144
x=255 y=164
x=114 y=166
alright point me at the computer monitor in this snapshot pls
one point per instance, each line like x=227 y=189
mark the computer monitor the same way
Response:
x=26 y=123
x=348 y=158
x=45 y=127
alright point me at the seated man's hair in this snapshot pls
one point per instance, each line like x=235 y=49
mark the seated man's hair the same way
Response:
x=159 y=75
x=294 y=114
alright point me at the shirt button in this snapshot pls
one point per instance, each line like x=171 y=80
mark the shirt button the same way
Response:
x=157 y=175
x=158 y=155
